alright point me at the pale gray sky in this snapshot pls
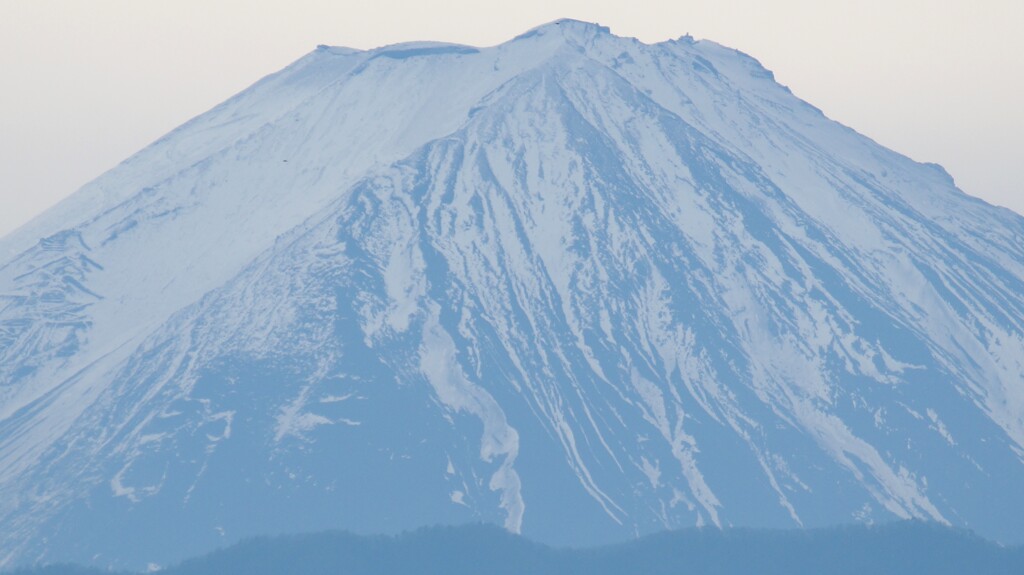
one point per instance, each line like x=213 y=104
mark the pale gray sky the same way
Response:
x=87 y=83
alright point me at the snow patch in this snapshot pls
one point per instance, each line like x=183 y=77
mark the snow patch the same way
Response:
x=439 y=363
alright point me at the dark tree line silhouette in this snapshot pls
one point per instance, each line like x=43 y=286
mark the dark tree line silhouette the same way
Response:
x=897 y=548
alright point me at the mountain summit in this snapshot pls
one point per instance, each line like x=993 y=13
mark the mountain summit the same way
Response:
x=576 y=285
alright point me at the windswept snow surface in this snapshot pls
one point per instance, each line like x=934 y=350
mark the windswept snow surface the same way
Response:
x=576 y=285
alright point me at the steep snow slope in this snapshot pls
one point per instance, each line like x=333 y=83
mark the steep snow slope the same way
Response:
x=574 y=284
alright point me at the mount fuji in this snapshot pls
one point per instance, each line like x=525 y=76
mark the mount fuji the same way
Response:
x=576 y=285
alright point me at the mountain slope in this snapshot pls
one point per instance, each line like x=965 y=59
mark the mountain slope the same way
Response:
x=576 y=285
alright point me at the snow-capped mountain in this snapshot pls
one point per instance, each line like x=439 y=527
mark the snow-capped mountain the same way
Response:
x=575 y=284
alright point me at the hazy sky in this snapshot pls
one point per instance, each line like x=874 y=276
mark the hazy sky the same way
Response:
x=84 y=84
